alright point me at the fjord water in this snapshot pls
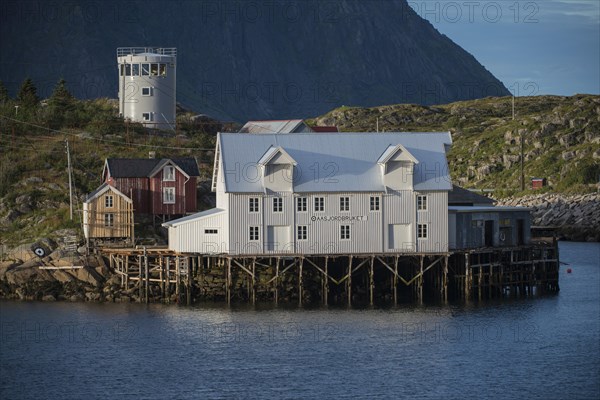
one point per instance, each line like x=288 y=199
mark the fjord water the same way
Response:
x=537 y=348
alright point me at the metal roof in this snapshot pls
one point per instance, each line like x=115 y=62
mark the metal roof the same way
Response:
x=460 y=196
x=145 y=167
x=193 y=217
x=334 y=162
x=275 y=126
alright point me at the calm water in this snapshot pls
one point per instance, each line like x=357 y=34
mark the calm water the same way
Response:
x=544 y=348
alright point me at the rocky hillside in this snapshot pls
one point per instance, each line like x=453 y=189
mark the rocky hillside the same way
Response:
x=241 y=60
x=561 y=138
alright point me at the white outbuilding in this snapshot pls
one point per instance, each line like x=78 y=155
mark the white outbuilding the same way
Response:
x=327 y=193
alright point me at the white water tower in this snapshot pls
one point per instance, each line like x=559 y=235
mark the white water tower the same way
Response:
x=147 y=85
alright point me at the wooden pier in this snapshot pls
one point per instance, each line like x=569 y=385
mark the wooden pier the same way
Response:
x=155 y=274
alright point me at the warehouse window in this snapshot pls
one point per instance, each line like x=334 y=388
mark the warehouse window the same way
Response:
x=344 y=203
x=253 y=204
x=254 y=233
x=345 y=232
x=146 y=91
x=147 y=116
x=302 y=232
x=422 y=231
x=135 y=69
x=153 y=69
x=374 y=203
x=277 y=204
x=319 y=204
x=163 y=70
x=145 y=69
x=301 y=204
x=211 y=231
x=422 y=203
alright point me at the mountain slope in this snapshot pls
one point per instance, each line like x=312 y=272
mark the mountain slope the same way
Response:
x=247 y=60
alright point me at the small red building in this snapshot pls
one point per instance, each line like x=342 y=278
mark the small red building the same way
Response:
x=163 y=187
x=538 y=183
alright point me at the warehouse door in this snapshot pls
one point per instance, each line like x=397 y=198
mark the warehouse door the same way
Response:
x=400 y=237
x=278 y=239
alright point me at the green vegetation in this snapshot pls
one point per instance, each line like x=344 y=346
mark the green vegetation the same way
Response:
x=561 y=138
x=34 y=196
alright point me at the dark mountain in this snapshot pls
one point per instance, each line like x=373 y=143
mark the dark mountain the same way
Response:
x=246 y=60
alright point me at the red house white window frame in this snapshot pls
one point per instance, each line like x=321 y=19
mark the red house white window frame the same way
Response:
x=169 y=195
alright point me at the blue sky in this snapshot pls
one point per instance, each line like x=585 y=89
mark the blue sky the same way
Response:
x=533 y=47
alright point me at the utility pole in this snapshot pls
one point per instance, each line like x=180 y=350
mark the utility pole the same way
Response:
x=70 y=180
x=522 y=140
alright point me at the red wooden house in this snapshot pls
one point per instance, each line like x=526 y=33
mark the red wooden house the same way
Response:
x=163 y=187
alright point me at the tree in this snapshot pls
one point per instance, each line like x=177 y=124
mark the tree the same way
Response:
x=27 y=96
x=61 y=97
x=4 y=97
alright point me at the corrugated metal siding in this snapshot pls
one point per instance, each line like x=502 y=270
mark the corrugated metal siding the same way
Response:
x=469 y=236
x=436 y=216
x=190 y=237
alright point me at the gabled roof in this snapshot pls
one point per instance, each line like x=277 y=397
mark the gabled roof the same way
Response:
x=145 y=167
x=344 y=161
x=273 y=152
x=462 y=197
x=193 y=217
x=275 y=126
x=163 y=163
x=105 y=187
x=394 y=150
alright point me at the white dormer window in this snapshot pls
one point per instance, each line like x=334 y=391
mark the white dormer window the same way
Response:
x=169 y=173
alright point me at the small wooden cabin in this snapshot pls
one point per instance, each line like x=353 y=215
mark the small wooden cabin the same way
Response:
x=108 y=216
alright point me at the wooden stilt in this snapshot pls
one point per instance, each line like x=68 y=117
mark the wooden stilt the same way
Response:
x=349 y=281
x=254 y=281
x=178 y=279
x=147 y=276
x=300 y=281
x=326 y=283
x=188 y=292
x=276 y=282
x=445 y=280
x=395 y=280
x=228 y=281
x=371 y=280
x=420 y=280
x=161 y=276
x=140 y=276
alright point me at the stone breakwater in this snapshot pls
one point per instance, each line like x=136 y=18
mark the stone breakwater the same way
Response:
x=577 y=217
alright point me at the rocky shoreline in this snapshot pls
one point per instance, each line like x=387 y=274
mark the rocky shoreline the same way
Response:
x=57 y=273
x=577 y=218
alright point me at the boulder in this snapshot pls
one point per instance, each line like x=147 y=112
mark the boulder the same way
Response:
x=89 y=275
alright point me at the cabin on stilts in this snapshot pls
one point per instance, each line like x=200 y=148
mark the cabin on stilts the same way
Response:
x=108 y=217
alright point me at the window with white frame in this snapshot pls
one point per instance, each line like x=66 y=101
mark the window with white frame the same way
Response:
x=344 y=203
x=277 y=204
x=169 y=173
x=146 y=91
x=302 y=232
x=145 y=69
x=109 y=219
x=301 y=204
x=147 y=116
x=422 y=203
x=254 y=234
x=168 y=195
x=108 y=201
x=319 y=204
x=345 y=232
x=253 y=204
x=374 y=203
x=422 y=231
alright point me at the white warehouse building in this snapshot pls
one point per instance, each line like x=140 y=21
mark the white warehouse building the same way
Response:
x=325 y=193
